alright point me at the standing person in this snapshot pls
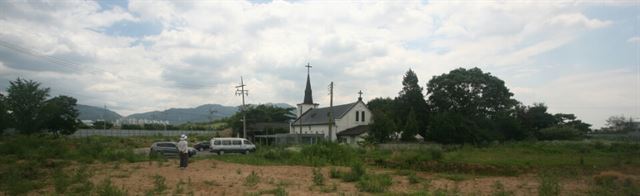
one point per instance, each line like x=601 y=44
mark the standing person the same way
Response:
x=184 y=151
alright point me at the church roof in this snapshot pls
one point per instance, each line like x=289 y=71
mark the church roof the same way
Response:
x=318 y=116
x=308 y=98
x=354 y=131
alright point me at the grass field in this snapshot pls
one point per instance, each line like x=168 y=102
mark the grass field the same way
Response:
x=109 y=166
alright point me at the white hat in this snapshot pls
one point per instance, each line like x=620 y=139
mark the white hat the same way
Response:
x=183 y=137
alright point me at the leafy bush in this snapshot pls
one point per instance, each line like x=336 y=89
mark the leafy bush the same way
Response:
x=252 y=179
x=559 y=133
x=357 y=171
x=335 y=173
x=375 y=183
x=318 y=178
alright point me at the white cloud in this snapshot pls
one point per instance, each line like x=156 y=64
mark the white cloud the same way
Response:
x=634 y=40
x=204 y=46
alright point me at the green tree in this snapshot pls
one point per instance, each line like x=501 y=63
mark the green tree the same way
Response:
x=535 y=118
x=261 y=113
x=409 y=99
x=619 y=124
x=452 y=127
x=382 y=127
x=470 y=92
x=410 y=127
x=61 y=116
x=386 y=105
x=25 y=100
x=4 y=116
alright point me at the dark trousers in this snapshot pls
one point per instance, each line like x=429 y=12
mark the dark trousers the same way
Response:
x=184 y=159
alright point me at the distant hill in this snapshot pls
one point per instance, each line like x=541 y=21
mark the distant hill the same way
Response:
x=94 y=113
x=174 y=115
x=201 y=113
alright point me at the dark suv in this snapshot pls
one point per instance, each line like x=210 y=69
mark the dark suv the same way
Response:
x=168 y=149
x=200 y=146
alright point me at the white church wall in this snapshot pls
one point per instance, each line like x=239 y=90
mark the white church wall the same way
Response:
x=349 y=120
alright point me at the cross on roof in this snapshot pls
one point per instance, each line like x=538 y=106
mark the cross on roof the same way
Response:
x=360 y=94
x=308 y=67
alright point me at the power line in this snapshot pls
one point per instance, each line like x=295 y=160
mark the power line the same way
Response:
x=240 y=91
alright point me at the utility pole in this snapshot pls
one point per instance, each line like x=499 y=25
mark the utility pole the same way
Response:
x=331 y=111
x=240 y=91
x=104 y=118
x=211 y=111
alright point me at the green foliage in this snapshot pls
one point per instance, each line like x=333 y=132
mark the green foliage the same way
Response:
x=382 y=127
x=610 y=185
x=498 y=190
x=449 y=127
x=159 y=186
x=4 y=115
x=374 y=183
x=559 y=133
x=106 y=188
x=549 y=185
x=357 y=171
x=261 y=113
x=410 y=98
x=335 y=173
x=318 y=178
x=470 y=92
x=61 y=115
x=413 y=178
x=26 y=99
x=252 y=179
x=411 y=127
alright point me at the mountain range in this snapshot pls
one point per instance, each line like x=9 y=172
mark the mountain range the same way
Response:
x=202 y=113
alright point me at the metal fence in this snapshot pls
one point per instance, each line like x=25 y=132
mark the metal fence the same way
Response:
x=130 y=133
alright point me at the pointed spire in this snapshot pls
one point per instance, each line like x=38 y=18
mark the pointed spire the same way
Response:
x=308 y=98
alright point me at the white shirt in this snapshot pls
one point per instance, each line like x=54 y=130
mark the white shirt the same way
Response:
x=182 y=146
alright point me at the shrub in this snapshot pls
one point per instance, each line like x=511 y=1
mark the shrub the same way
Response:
x=335 y=173
x=549 y=185
x=413 y=178
x=357 y=171
x=106 y=188
x=375 y=183
x=252 y=179
x=318 y=178
x=560 y=133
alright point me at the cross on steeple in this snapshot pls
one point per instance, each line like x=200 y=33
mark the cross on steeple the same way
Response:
x=360 y=95
x=308 y=67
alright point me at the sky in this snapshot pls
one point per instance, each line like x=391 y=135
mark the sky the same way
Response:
x=580 y=57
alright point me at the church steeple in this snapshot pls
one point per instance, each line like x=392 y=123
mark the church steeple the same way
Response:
x=308 y=97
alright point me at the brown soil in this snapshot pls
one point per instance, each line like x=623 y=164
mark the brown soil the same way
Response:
x=211 y=177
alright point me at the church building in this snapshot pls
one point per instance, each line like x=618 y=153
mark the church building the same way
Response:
x=350 y=121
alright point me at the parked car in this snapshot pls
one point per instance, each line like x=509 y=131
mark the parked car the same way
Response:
x=238 y=145
x=168 y=149
x=200 y=146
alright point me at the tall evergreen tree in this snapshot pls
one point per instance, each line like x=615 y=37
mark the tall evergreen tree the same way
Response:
x=410 y=127
x=409 y=99
x=382 y=127
x=4 y=116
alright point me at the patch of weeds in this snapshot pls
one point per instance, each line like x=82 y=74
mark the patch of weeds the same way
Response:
x=357 y=171
x=335 y=173
x=404 y=172
x=211 y=183
x=413 y=178
x=159 y=186
x=106 y=188
x=179 y=187
x=318 y=178
x=374 y=183
x=252 y=179
x=238 y=171
x=613 y=184
x=454 y=177
x=330 y=188
x=279 y=191
x=549 y=185
x=498 y=189
x=21 y=178
x=61 y=181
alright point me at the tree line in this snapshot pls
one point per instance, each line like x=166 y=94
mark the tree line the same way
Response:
x=466 y=106
x=28 y=108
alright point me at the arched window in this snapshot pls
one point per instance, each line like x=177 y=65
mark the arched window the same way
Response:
x=363 y=116
x=357 y=116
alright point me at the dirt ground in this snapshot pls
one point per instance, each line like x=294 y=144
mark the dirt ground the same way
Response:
x=211 y=177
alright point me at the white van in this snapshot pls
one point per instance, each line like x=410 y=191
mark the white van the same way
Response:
x=223 y=145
